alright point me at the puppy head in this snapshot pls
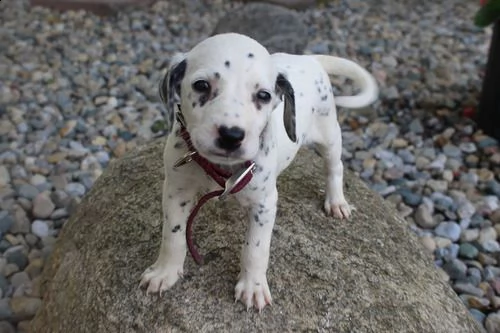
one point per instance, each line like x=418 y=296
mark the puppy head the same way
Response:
x=228 y=88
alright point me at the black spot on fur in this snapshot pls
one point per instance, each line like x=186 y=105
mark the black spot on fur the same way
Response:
x=261 y=224
x=319 y=90
x=266 y=178
x=193 y=104
x=256 y=217
x=288 y=158
x=250 y=55
x=215 y=94
x=184 y=203
x=226 y=114
x=257 y=283
x=227 y=63
x=253 y=188
x=258 y=244
x=324 y=97
x=266 y=151
x=217 y=75
x=176 y=228
x=247 y=243
x=178 y=144
x=301 y=94
x=258 y=169
x=312 y=110
x=178 y=132
x=170 y=196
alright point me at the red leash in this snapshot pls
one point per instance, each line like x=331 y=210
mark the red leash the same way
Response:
x=231 y=183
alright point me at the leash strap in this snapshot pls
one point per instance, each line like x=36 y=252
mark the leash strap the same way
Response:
x=219 y=175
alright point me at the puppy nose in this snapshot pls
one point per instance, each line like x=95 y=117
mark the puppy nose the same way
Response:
x=230 y=138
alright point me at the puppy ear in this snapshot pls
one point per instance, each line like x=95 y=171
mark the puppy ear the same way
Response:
x=285 y=89
x=170 y=88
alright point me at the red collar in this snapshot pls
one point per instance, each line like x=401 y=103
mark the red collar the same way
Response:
x=230 y=182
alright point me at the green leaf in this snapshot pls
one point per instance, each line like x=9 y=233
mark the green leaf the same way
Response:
x=488 y=14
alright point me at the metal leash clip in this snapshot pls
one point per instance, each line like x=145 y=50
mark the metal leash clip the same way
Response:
x=188 y=157
x=235 y=179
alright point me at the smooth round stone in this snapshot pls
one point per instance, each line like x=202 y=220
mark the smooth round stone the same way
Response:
x=468 y=251
x=491 y=246
x=6 y=221
x=452 y=151
x=40 y=229
x=75 y=189
x=428 y=243
x=24 y=308
x=424 y=218
x=456 y=269
x=18 y=258
x=468 y=288
x=487 y=234
x=450 y=230
x=492 y=322
x=474 y=276
x=5 y=326
x=5 y=310
x=4 y=284
x=27 y=191
x=20 y=278
x=43 y=206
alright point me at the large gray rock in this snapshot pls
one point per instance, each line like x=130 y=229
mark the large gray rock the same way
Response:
x=368 y=274
x=277 y=28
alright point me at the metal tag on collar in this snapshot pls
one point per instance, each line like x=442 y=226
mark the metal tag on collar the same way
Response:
x=188 y=157
x=235 y=179
x=180 y=117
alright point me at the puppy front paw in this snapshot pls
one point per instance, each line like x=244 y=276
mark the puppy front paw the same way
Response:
x=253 y=291
x=339 y=209
x=159 y=278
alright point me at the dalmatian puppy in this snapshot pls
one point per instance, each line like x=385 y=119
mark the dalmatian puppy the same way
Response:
x=240 y=103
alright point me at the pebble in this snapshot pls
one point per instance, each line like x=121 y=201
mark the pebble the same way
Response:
x=492 y=323
x=450 y=230
x=423 y=217
x=468 y=251
x=24 y=308
x=456 y=269
x=40 y=229
x=43 y=206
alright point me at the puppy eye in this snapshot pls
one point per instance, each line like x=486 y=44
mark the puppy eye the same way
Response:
x=264 y=96
x=201 y=86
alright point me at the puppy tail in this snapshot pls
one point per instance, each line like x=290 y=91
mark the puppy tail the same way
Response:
x=361 y=77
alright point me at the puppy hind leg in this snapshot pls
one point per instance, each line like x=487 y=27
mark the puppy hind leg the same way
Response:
x=331 y=150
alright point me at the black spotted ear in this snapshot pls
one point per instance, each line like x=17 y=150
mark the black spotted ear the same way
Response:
x=170 y=90
x=285 y=89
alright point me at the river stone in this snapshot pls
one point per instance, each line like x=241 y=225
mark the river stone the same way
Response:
x=277 y=28
x=366 y=274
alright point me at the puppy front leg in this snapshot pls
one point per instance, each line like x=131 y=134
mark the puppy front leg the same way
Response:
x=252 y=288
x=177 y=203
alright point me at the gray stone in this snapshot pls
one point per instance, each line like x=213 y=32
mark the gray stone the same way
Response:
x=24 y=308
x=492 y=323
x=4 y=283
x=450 y=230
x=423 y=217
x=17 y=257
x=27 y=191
x=277 y=28
x=20 y=278
x=295 y=4
x=468 y=288
x=4 y=176
x=6 y=327
x=6 y=221
x=5 y=311
x=478 y=315
x=468 y=251
x=40 y=228
x=115 y=227
x=75 y=189
x=456 y=269
x=43 y=206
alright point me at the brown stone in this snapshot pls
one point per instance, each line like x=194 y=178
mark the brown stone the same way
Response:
x=368 y=274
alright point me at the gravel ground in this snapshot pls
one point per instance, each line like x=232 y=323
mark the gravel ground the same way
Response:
x=77 y=91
